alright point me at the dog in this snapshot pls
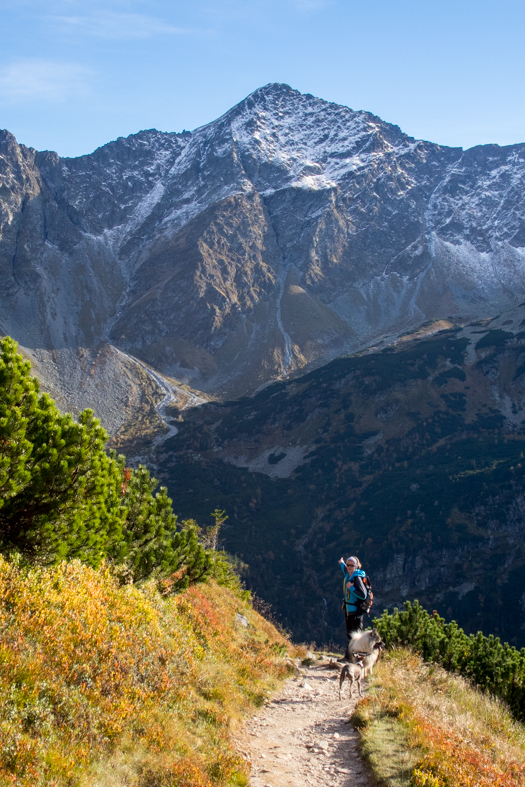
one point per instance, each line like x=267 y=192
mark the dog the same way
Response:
x=365 y=646
x=354 y=673
x=362 y=642
x=369 y=659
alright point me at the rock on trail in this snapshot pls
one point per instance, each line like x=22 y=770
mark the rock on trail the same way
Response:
x=303 y=737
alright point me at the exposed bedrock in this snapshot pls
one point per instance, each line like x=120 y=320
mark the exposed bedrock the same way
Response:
x=285 y=233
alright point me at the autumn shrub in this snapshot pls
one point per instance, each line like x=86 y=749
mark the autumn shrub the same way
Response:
x=449 y=733
x=111 y=685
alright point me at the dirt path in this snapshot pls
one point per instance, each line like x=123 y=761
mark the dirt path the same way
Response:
x=303 y=738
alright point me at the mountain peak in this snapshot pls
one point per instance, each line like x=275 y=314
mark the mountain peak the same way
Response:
x=278 y=95
x=274 y=89
x=286 y=232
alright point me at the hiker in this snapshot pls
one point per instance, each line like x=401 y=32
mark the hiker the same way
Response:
x=354 y=592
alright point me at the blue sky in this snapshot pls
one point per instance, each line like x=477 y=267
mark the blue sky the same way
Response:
x=74 y=75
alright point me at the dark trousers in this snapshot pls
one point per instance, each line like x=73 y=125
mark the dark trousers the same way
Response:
x=353 y=623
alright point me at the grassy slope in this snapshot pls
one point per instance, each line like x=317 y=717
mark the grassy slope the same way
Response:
x=424 y=727
x=415 y=463
x=108 y=686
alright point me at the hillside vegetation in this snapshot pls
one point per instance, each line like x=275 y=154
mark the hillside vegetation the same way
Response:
x=424 y=727
x=108 y=685
x=411 y=457
x=486 y=661
x=128 y=650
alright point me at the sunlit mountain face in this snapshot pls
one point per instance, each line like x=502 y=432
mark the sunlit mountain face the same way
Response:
x=286 y=233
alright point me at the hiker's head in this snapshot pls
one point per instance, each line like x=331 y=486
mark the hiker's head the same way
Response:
x=352 y=563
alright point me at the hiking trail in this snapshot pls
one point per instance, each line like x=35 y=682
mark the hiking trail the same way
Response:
x=303 y=738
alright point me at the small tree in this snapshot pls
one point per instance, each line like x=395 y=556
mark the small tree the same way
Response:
x=211 y=539
x=57 y=496
x=151 y=542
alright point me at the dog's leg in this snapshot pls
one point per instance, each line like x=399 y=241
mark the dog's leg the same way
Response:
x=342 y=677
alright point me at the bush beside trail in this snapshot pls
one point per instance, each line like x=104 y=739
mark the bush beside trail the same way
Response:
x=110 y=685
x=492 y=665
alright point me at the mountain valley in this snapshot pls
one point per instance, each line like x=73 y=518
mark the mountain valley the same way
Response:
x=411 y=457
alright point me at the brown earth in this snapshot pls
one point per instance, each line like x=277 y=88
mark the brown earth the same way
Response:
x=303 y=737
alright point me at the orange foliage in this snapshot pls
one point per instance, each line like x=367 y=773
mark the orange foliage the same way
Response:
x=87 y=667
x=452 y=760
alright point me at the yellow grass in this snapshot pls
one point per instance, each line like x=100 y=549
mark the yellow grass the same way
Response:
x=108 y=686
x=449 y=733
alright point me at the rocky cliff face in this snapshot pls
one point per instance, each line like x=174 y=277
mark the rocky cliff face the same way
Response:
x=287 y=232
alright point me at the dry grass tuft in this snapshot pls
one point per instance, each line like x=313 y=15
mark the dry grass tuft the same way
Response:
x=425 y=727
x=107 y=686
x=386 y=748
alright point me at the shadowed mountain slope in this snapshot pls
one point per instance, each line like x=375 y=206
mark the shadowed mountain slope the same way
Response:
x=413 y=458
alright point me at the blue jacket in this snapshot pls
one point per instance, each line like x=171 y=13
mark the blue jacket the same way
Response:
x=354 y=592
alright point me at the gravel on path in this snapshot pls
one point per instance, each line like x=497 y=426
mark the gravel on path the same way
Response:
x=303 y=737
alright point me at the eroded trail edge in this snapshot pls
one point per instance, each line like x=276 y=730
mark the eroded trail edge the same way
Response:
x=304 y=737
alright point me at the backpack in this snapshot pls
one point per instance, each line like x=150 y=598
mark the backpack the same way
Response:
x=364 y=605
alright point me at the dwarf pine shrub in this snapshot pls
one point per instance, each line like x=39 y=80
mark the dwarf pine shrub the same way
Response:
x=62 y=496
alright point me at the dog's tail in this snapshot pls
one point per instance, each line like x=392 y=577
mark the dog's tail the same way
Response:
x=342 y=676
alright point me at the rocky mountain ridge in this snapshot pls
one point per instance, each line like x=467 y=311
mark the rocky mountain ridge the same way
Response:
x=285 y=233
